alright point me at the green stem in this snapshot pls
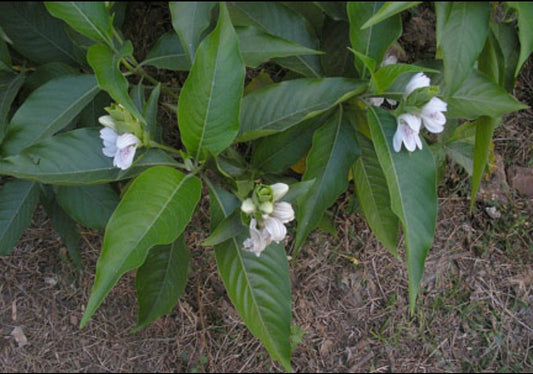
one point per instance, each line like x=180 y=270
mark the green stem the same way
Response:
x=154 y=144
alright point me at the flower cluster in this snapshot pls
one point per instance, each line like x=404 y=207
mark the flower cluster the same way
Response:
x=120 y=136
x=268 y=216
x=409 y=124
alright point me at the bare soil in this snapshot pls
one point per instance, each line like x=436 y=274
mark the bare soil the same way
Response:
x=349 y=294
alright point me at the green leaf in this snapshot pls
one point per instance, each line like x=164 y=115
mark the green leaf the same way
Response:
x=275 y=153
x=386 y=75
x=17 y=203
x=9 y=87
x=150 y=113
x=412 y=183
x=524 y=11
x=5 y=57
x=484 y=129
x=334 y=9
x=190 y=19
x=47 y=72
x=161 y=280
x=478 y=96
x=154 y=211
x=45 y=161
x=258 y=47
x=387 y=10
x=36 y=34
x=507 y=42
x=337 y=60
x=63 y=225
x=279 y=20
x=463 y=36
x=168 y=53
x=375 y=40
x=47 y=110
x=86 y=17
x=90 y=206
x=373 y=195
x=94 y=110
x=208 y=107
x=105 y=64
x=228 y=228
x=279 y=106
x=258 y=287
x=333 y=153
x=442 y=13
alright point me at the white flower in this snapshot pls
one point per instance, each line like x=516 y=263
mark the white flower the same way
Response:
x=376 y=101
x=248 y=206
x=417 y=81
x=283 y=212
x=120 y=147
x=107 y=121
x=407 y=133
x=256 y=243
x=432 y=116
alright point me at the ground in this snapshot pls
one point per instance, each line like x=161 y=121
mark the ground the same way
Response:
x=474 y=312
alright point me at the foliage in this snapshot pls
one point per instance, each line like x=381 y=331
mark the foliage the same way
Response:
x=63 y=65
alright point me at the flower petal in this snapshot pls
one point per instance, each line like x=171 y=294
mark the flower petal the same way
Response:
x=126 y=140
x=256 y=242
x=283 y=211
x=279 y=190
x=410 y=120
x=107 y=121
x=375 y=101
x=248 y=206
x=124 y=157
x=417 y=81
x=275 y=229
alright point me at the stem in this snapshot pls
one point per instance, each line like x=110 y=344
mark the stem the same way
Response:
x=163 y=147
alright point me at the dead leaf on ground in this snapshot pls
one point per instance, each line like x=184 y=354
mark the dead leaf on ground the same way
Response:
x=19 y=336
x=522 y=180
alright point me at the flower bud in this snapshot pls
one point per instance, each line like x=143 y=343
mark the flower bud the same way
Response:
x=248 y=206
x=266 y=207
x=279 y=190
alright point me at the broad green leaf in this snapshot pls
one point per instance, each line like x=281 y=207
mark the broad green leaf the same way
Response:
x=228 y=228
x=94 y=110
x=47 y=110
x=278 y=107
x=190 y=19
x=478 y=96
x=333 y=153
x=45 y=73
x=9 y=87
x=161 y=280
x=63 y=225
x=257 y=46
x=334 y=9
x=387 y=10
x=105 y=64
x=524 y=11
x=45 y=161
x=275 y=153
x=17 y=203
x=258 y=287
x=442 y=13
x=86 y=17
x=375 y=40
x=386 y=75
x=150 y=113
x=154 y=211
x=90 y=206
x=463 y=36
x=208 y=107
x=36 y=34
x=168 y=53
x=311 y=11
x=5 y=57
x=373 y=195
x=337 y=61
x=485 y=126
x=279 y=20
x=509 y=45
x=412 y=183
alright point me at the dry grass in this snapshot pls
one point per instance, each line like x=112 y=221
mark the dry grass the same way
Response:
x=349 y=295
